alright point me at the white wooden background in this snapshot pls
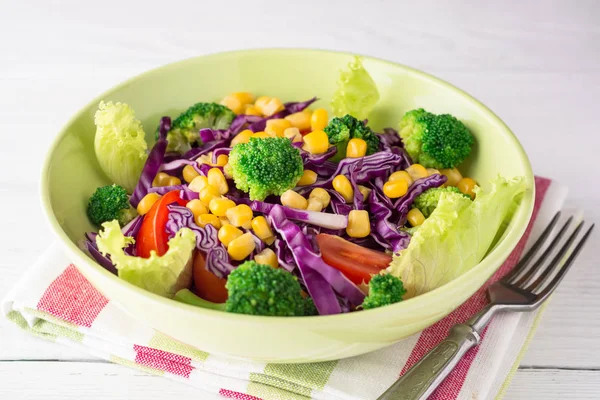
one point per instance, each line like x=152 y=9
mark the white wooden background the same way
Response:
x=535 y=63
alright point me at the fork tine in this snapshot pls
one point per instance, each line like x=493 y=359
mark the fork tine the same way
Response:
x=532 y=251
x=543 y=295
x=529 y=272
x=555 y=263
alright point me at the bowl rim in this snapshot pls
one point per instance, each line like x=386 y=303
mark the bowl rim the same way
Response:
x=514 y=232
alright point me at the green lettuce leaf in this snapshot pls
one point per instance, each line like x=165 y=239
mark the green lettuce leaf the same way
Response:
x=120 y=144
x=163 y=275
x=356 y=93
x=456 y=236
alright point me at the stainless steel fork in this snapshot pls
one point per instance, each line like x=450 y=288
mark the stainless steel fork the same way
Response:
x=523 y=289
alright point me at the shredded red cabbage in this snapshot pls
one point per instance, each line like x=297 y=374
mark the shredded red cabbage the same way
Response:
x=321 y=280
x=162 y=190
x=205 y=149
x=153 y=163
x=316 y=162
x=284 y=255
x=326 y=220
x=372 y=166
x=208 y=134
x=207 y=241
x=389 y=139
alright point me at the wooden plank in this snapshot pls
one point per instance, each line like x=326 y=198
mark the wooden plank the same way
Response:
x=533 y=384
x=76 y=380
x=90 y=381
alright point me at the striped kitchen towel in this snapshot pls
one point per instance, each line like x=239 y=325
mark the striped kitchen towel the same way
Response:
x=55 y=302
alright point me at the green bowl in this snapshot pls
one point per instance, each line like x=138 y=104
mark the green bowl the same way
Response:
x=71 y=174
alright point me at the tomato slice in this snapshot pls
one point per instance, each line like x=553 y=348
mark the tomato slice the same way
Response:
x=152 y=234
x=356 y=262
x=208 y=285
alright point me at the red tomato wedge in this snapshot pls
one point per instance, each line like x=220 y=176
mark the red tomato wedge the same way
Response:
x=356 y=262
x=152 y=234
x=208 y=285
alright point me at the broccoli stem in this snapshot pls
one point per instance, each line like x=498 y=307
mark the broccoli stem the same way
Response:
x=341 y=151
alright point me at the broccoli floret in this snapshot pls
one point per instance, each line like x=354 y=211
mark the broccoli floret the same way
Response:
x=341 y=129
x=384 y=290
x=258 y=289
x=108 y=203
x=427 y=201
x=185 y=128
x=309 y=307
x=266 y=166
x=435 y=141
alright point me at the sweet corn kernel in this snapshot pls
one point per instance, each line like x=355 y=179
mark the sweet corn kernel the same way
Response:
x=270 y=240
x=240 y=215
x=208 y=219
x=395 y=189
x=197 y=207
x=208 y=193
x=222 y=160
x=300 y=120
x=417 y=171
x=241 y=247
x=453 y=175
x=415 y=217
x=244 y=97
x=359 y=225
x=233 y=103
x=398 y=175
x=342 y=185
x=161 y=179
x=262 y=135
x=272 y=107
x=293 y=134
x=219 y=206
x=198 y=183
x=267 y=257
x=252 y=110
x=322 y=195
x=172 y=181
x=433 y=171
x=316 y=142
x=205 y=159
x=275 y=127
x=217 y=179
x=147 y=202
x=314 y=204
x=365 y=191
x=356 y=148
x=261 y=102
x=224 y=221
x=291 y=199
x=189 y=173
x=466 y=185
x=308 y=178
x=319 y=119
x=242 y=137
x=227 y=233
x=261 y=228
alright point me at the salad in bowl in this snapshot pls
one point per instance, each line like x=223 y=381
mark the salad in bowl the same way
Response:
x=262 y=206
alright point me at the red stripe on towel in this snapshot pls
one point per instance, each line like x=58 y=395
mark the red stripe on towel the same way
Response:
x=72 y=298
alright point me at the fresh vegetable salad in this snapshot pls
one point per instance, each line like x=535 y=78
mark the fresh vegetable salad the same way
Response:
x=258 y=206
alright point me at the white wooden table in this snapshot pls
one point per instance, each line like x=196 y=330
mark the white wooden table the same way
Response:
x=537 y=65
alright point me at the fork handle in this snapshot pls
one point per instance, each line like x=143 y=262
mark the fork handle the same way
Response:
x=426 y=375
